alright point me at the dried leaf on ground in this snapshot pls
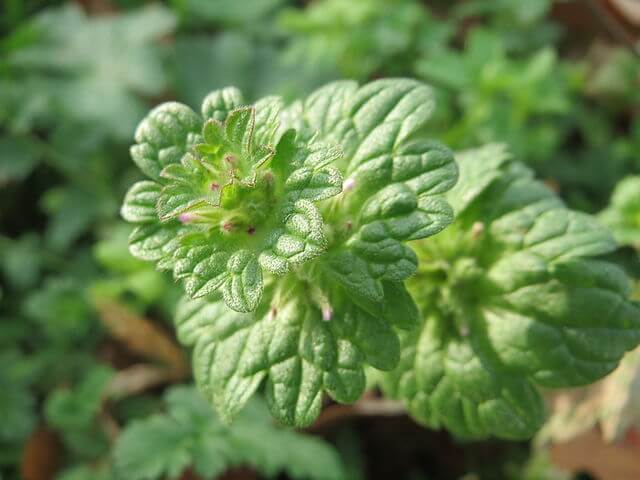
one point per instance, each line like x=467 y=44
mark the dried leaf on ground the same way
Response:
x=143 y=337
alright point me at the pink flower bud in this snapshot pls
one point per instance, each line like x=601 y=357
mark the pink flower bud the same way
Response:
x=349 y=184
x=186 y=217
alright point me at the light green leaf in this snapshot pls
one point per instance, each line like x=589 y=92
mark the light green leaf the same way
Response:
x=153 y=241
x=186 y=188
x=217 y=105
x=267 y=120
x=352 y=272
x=478 y=174
x=309 y=184
x=140 y=202
x=398 y=210
x=623 y=213
x=239 y=127
x=347 y=115
x=387 y=258
x=164 y=136
x=202 y=266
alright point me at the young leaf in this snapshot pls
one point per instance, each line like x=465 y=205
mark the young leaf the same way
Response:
x=229 y=201
x=164 y=136
x=140 y=202
x=217 y=105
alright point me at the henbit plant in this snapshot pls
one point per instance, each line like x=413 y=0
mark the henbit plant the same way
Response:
x=511 y=297
x=295 y=279
x=243 y=207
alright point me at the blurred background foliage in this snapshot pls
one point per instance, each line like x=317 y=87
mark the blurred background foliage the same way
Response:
x=87 y=358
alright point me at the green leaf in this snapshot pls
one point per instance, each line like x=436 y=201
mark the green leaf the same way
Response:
x=301 y=239
x=17 y=400
x=164 y=136
x=397 y=209
x=18 y=157
x=153 y=241
x=563 y=324
x=511 y=297
x=398 y=307
x=623 y=213
x=239 y=126
x=355 y=117
x=450 y=383
x=387 y=258
x=217 y=105
x=86 y=88
x=243 y=289
x=201 y=265
x=477 y=175
x=352 y=272
x=140 y=202
x=60 y=310
x=185 y=189
x=267 y=120
x=308 y=184
x=299 y=354
x=190 y=436
x=86 y=473
x=74 y=413
x=22 y=260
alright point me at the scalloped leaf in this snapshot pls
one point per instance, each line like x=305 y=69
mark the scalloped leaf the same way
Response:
x=217 y=105
x=299 y=354
x=164 y=136
x=512 y=298
x=139 y=204
x=153 y=241
x=449 y=383
x=243 y=289
x=301 y=239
